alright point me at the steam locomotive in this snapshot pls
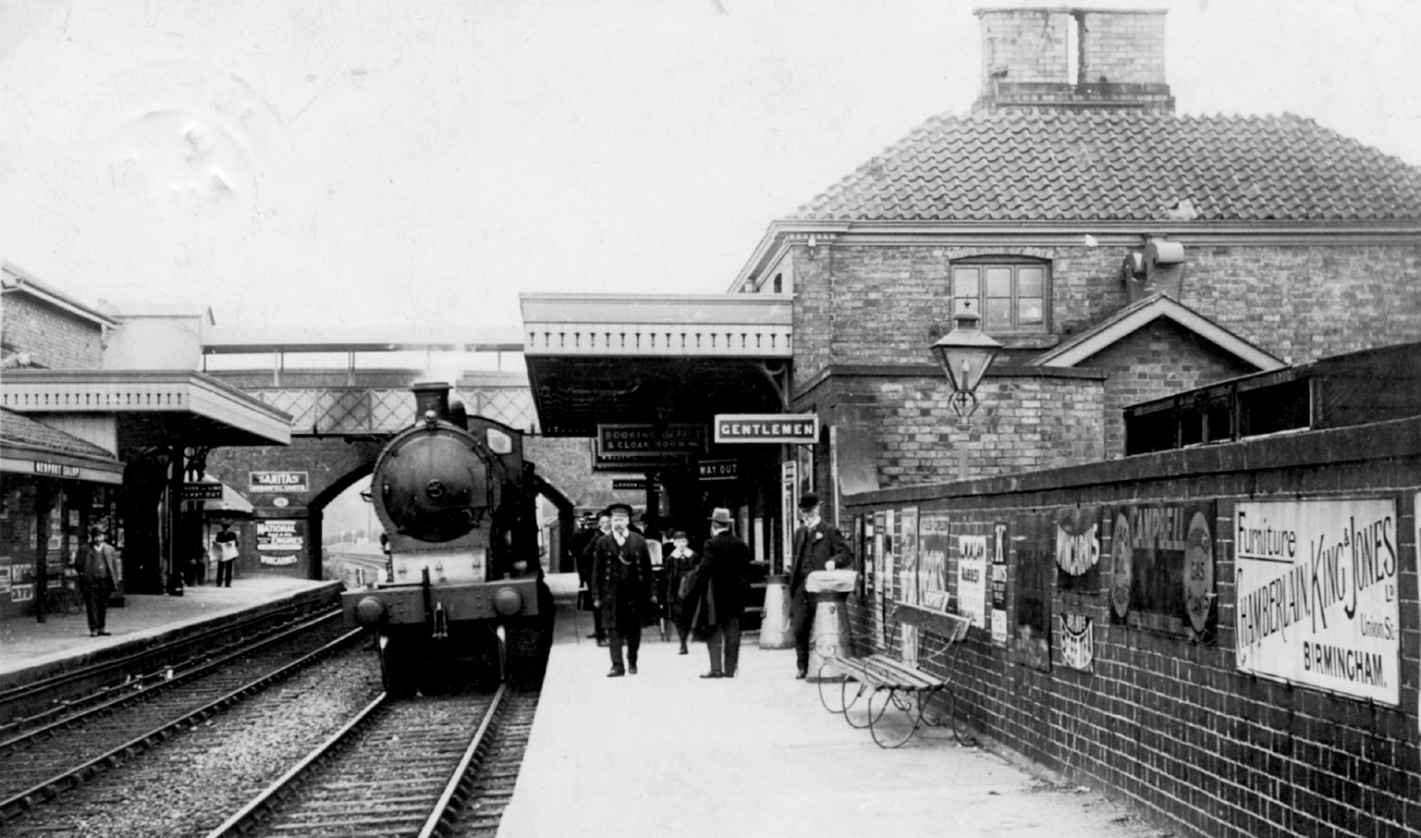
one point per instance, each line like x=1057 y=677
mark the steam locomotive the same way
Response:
x=464 y=600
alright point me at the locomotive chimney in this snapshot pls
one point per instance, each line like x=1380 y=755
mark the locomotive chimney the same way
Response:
x=431 y=395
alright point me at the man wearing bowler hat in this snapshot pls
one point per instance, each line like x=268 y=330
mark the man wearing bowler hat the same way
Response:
x=718 y=597
x=621 y=576
x=817 y=546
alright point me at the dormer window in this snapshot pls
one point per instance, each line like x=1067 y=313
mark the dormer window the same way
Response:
x=1009 y=294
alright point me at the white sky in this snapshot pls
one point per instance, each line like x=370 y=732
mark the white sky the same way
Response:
x=319 y=162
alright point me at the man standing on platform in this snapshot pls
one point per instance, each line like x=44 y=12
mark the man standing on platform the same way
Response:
x=719 y=594
x=586 y=562
x=226 y=544
x=622 y=579
x=97 y=564
x=817 y=546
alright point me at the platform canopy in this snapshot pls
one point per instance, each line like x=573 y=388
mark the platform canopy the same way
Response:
x=150 y=407
x=597 y=359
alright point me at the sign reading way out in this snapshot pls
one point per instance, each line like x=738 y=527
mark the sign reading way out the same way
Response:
x=778 y=428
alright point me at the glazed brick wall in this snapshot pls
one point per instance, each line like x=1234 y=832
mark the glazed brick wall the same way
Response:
x=1298 y=303
x=1157 y=360
x=1171 y=724
x=54 y=338
x=1031 y=44
x=1123 y=48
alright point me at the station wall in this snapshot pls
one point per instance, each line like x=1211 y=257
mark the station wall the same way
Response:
x=1132 y=646
x=52 y=337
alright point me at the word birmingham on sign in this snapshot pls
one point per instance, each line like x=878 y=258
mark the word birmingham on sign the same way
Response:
x=783 y=428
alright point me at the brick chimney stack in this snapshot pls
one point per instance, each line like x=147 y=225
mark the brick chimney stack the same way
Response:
x=1073 y=58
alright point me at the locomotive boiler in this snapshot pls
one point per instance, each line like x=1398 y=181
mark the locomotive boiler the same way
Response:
x=464 y=599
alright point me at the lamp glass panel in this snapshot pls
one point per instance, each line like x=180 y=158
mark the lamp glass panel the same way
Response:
x=999 y=282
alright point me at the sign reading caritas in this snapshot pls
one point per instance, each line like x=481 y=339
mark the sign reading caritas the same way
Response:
x=778 y=428
x=289 y=482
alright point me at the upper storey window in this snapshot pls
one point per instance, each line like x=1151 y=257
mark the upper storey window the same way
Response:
x=1010 y=296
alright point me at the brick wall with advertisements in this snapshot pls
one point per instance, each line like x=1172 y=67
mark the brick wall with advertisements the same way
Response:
x=1234 y=646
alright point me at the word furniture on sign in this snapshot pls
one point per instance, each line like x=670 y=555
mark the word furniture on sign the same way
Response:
x=779 y=428
x=1318 y=600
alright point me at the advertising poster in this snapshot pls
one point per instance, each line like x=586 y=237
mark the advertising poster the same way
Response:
x=1317 y=595
x=1416 y=536
x=890 y=574
x=22 y=593
x=4 y=574
x=932 y=559
x=1035 y=570
x=998 y=589
x=1150 y=547
x=280 y=543
x=1077 y=641
x=909 y=590
x=972 y=578
x=789 y=507
x=1078 y=551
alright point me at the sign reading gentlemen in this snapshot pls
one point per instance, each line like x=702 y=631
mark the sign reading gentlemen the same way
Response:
x=777 y=428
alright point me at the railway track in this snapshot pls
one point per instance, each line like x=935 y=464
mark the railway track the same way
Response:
x=43 y=761
x=33 y=704
x=434 y=766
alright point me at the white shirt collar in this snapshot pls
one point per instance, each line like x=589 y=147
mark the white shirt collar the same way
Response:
x=811 y=523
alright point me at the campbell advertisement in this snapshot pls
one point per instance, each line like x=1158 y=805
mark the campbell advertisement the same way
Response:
x=1316 y=582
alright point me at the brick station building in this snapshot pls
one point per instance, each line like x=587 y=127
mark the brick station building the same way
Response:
x=1119 y=251
x=1209 y=326
x=1199 y=275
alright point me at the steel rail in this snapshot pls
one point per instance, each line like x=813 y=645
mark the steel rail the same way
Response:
x=247 y=817
x=461 y=774
x=126 y=693
x=112 y=668
x=52 y=787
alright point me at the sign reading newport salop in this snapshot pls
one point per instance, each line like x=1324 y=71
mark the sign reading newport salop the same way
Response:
x=1317 y=594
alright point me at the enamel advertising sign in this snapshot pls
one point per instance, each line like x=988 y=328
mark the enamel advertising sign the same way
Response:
x=1317 y=595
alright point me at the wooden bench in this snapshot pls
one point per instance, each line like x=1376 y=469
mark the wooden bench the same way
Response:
x=901 y=685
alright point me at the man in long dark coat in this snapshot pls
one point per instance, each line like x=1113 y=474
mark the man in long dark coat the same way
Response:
x=722 y=586
x=622 y=575
x=586 y=561
x=816 y=544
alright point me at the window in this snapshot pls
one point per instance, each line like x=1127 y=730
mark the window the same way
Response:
x=1009 y=296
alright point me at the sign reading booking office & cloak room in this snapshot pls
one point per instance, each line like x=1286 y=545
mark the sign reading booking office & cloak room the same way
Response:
x=1317 y=595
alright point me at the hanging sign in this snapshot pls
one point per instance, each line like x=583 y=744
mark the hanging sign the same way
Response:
x=629 y=484
x=202 y=491
x=718 y=469
x=1317 y=595
x=778 y=428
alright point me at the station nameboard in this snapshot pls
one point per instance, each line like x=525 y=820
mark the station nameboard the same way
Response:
x=290 y=482
x=629 y=484
x=778 y=428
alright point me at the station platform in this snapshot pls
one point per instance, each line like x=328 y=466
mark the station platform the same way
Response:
x=30 y=650
x=665 y=752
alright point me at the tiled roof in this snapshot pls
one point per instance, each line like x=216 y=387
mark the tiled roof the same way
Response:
x=1062 y=165
x=16 y=429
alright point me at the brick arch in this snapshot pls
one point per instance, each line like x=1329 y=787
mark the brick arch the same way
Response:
x=332 y=464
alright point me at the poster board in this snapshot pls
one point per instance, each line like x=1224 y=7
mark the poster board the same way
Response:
x=1318 y=596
